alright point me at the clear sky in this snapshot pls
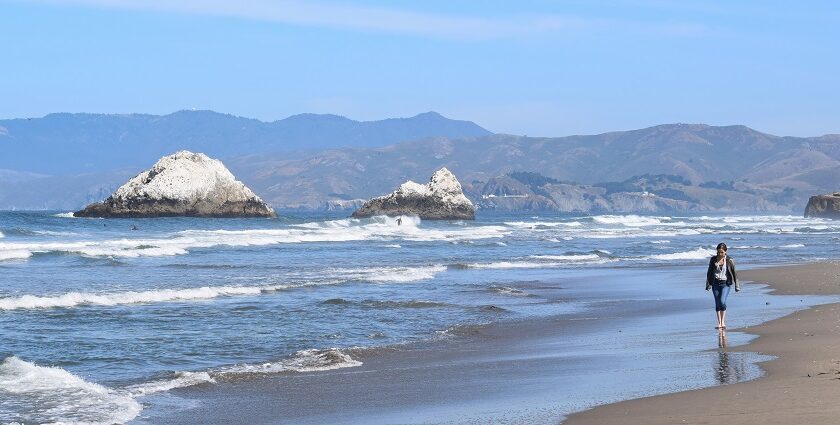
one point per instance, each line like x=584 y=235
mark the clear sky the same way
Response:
x=541 y=68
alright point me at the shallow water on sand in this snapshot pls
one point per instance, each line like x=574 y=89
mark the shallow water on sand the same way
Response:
x=114 y=316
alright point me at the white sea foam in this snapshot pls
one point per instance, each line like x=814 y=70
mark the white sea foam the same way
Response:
x=506 y=290
x=793 y=245
x=65 y=215
x=51 y=233
x=536 y=224
x=632 y=232
x=393 y=274
x=594 y=259
x=697 y=254
x=40 y=394
x=180 y=380
x=2 y=235
x=73 y=299
x=333 y=276
x=510 y=265
x=312 y=360
x=393 y=245
x=179 y=243
x=17 y=254
x=629 y=220
x=576 y=257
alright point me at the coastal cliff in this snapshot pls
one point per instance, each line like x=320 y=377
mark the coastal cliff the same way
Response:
x=826 y=206
x=182 y=184
x=440 y=199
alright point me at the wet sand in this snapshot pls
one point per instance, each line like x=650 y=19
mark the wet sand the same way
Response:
x=801 y=386
x=535 y=371
x=529 y=371
x=467 y=379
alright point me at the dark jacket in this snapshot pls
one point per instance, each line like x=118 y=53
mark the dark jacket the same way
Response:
x=731 y=274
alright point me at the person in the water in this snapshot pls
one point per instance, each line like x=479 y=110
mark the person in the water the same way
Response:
x=720 y=277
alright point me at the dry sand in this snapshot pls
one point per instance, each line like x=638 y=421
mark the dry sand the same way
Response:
x=802 y=385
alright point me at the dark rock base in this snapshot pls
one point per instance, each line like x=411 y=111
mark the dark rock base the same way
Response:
x=140 y=209
x=422 y=208
x=825 y=206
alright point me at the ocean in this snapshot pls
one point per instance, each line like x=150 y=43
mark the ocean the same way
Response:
x=100 y=317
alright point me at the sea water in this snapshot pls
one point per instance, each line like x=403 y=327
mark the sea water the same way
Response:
x=96 y=315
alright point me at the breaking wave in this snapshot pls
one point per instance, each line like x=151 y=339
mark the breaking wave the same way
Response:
x=629 y=220
x=697 y=254
x=75 y=299
x=20 y=254
x=401 y=274
x=179 y=243
x=579 y=257
x=536 y=225
x=312 y=360
x=179 y=380
x=525 y=264
x=386 y=304
x=41 y=394
x=506 y=290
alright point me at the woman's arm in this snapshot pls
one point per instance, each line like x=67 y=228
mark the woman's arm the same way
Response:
x=731 y=267
x=710 y=273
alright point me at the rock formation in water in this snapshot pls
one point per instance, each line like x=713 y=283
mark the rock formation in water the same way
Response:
x=440 y=199
x=827 y=206
x=182 y=184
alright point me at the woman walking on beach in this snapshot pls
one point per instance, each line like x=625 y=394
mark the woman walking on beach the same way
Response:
x=720 y=277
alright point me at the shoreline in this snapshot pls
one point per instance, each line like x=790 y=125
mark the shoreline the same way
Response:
x=530 y=371
x=801 y=383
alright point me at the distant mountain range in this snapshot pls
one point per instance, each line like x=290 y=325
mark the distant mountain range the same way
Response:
x=667 y=168
x=76 y=143
x=706 y=168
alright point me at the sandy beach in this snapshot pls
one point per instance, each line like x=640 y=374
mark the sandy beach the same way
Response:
x=802 y=385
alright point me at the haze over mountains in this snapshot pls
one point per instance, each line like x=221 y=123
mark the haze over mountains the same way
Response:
x=324 y=161
x=73 y=143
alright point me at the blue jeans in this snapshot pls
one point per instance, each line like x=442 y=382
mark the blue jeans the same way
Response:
x=721 y=292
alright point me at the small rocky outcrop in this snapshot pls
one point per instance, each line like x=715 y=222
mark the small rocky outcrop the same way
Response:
x=182 y=184
x=826 y=206
x=440 y=199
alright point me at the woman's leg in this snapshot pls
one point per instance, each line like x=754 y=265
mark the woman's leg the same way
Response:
x=724 y=294
x=716 y=292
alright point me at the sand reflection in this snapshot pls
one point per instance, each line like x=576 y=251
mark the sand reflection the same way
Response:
x=730 y=367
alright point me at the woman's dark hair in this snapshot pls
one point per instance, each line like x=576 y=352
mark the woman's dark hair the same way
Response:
x=721 y=245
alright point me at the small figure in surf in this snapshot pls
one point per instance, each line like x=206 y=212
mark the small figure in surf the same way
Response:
x=720 y=276
x=399 y=221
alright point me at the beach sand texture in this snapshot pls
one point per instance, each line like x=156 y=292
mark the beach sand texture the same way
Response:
x=802 y=385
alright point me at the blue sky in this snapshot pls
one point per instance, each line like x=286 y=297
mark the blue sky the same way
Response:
x=541 y=68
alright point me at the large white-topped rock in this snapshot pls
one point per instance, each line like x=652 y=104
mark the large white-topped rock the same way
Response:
x=182 y=184
x=440 y=199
